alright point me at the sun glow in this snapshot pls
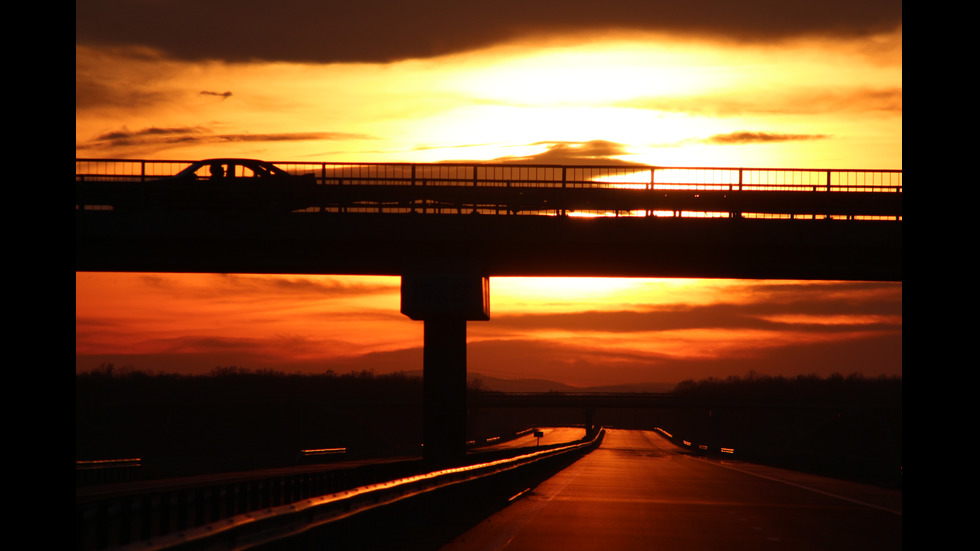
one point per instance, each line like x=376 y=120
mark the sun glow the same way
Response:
x=647 y=99
x=593 y=73
x=663 y=99
x=640 y=179
x=578 y=293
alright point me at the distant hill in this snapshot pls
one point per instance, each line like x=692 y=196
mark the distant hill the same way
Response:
x=636 y=387
x=497 y=384
x=543 y=385
x=519 y=385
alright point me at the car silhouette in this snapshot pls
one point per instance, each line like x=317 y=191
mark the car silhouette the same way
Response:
x=210 y=184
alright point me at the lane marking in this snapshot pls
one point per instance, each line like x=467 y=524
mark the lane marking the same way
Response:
x=659 y=440
x=804 y=487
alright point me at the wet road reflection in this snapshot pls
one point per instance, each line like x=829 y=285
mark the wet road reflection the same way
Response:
x=638 y=491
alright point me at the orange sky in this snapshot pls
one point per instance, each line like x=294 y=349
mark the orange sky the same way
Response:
x=802 y=85
x=589 y=332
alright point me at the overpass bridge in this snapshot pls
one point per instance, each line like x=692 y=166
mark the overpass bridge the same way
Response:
x=446 y=229
x=394 y=219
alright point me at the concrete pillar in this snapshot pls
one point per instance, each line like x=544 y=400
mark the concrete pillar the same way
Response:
x=445 y=302
x=444 y=394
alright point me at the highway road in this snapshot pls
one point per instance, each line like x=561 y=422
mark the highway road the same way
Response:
x=640 y=492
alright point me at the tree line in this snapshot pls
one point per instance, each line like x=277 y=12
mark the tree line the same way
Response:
x=750 y=386
x=801 y=388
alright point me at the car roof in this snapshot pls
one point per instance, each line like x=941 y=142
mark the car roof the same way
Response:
x=232 y=161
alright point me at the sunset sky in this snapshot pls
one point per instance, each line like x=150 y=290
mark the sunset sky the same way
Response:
x=810 y=84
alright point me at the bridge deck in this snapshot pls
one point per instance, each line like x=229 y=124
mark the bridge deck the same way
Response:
x=384 y=219
x=395 y=244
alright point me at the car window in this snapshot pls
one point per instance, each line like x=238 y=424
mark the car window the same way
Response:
x=250 y=171
x=208 y=171
x=223 y=170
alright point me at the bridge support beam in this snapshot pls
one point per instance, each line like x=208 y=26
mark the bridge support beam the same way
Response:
x=445 y=302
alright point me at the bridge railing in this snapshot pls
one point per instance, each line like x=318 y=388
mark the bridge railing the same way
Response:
x=778 y=179
x=126 y=170
x=549 y=176
x=551 y=190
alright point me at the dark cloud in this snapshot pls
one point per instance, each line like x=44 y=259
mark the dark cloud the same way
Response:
x=193 y=135
x=828 y=298
x=572 y=153
x=605 y=152
x=715 y=316
x=387 y=30
x=746 y=137
x=585 y=363
x=93 y=93
x=261 y=287
x=222 y=95
x=842 y=306
x=114 y=78
x=719 y=316
x=807 y=101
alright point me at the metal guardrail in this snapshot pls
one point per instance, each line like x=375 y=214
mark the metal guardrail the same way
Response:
x=106 y=470
x=256 y=510
x=113 y=516
x=598 y=190
x=265 y=526
x=506 y=175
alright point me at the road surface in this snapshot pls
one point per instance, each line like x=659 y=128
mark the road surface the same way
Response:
x=640 y=492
